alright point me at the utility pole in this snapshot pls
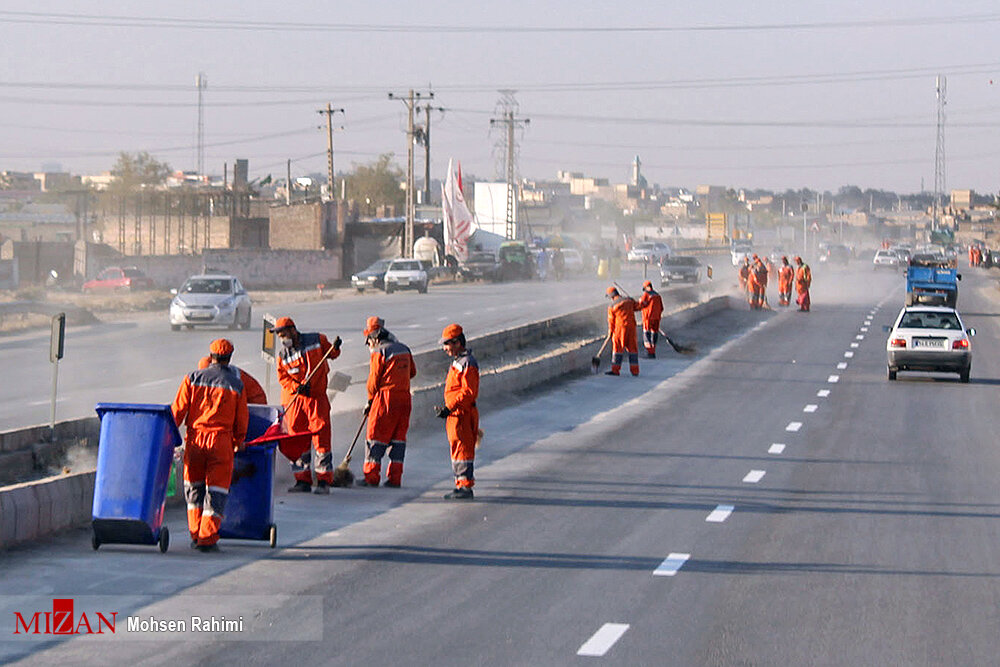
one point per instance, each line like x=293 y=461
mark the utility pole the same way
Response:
x=330 y=185
x=939 y=179
x=507 y=109
x=202 y=83
x=288 y=183
x=426 y=134
x=410 y=100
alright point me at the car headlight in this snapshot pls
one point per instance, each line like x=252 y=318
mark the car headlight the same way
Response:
x=177 y=302
x=354 y=278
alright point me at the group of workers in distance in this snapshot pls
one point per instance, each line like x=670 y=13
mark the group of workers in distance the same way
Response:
x=212 y=404
x=755 y=272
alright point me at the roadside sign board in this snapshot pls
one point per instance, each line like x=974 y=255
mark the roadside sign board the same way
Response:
x=58 y=337
x=267 y=345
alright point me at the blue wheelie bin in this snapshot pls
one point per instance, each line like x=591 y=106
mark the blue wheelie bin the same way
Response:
x=250 y=506
x=134 y=458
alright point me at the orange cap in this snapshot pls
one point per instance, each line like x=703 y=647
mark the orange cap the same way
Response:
x=204 y=362
x=611 y=291
x=373 y=324
x=647 y=284
x=798 y=259
x=450 y=332
x=283 y=323
x=221 y=347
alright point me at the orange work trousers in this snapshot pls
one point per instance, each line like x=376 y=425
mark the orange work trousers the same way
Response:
x=462 y=428
x=208 y=470
x=304 y=414
x=388 y=422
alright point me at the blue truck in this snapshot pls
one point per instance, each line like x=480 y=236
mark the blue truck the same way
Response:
x=932 y=279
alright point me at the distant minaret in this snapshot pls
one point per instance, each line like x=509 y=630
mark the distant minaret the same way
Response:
x=636 y=164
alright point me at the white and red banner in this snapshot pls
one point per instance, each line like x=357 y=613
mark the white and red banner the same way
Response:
x=458 y=222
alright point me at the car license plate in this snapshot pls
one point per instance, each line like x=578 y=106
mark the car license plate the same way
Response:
x=403 y=281
x=928 y=342
x=198 y=316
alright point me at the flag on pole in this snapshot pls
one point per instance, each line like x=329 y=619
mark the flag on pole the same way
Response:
x=458 y=222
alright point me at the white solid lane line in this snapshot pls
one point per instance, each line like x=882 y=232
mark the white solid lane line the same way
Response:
x=793 y=426
x=754 y=476
x=720 y=514
x=602 y=640
x=671 y=565
x=842 y=365
x=833 y=379
x=776 y=448
x=812 y=407
x=848 y=354
x=823 y=393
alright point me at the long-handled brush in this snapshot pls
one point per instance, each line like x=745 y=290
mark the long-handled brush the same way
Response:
x=595 y=362
x=342 y=475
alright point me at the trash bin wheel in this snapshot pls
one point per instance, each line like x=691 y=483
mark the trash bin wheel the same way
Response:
x=273 y=536
x=95 y=541
x=164 y=541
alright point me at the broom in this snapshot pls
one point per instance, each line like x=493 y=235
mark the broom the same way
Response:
x=595 y=362
x=342 y=475
x=680 y=349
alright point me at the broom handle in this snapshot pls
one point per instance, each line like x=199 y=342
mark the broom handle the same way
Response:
x=318 y=364
x=347 y=456
x=601 y=351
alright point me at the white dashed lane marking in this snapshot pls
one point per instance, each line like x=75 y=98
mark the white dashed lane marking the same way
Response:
x=864 y=329
x=754 y=476
x=848 y=354
x=842 y=365
x=793 y=426
x=823 y=393
x=602 y=640
x=776 y=448
x=812 y=407
x=855 y=345
x=859 y=337
x=833 y=379
x=671 y=565
x=720 y=514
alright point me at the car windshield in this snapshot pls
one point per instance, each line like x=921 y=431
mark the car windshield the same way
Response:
x=208 y=286
x=134 y=273
x=929 y=320
x=683 y=261
x=380 y=265
x=481 y=257
x=405 y=266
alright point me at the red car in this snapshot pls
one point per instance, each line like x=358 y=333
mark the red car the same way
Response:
x=117 y=279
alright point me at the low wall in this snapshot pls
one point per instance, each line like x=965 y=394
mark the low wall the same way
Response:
x=35 y=509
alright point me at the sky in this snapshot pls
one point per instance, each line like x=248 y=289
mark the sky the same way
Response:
x=764 y=94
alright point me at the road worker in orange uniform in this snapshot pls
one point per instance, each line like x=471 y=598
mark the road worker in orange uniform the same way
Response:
x=652 y=309
x=803 y=281
x=972 y=255
x=255 y=393
x=758 y=276
x=621 y=331
x=744 y=273
x=212 y=404
x=390 y=370
x=461 y=389
x=786 y=276
x=307 y=407
x=752 y=283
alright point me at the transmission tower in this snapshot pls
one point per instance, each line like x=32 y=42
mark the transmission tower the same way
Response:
x=939 y=172
x=202 y=83
x=506 y=150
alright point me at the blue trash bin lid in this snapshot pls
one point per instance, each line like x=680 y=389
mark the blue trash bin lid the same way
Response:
x=152 y=408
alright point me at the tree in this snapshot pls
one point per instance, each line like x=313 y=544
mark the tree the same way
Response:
x=377 y=183
x=133 y=171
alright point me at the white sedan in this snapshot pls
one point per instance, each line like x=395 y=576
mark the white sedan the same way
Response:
x=929 y=338
x=406 y=274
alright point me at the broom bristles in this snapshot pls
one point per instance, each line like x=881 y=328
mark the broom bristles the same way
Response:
x=342 y=475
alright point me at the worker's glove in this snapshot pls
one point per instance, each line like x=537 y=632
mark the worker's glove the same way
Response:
x=441 y=411
x=336 y=343
x=302 y=389
x=368 y=407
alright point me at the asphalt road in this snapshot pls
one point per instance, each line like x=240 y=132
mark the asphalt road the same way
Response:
x=140 y=360
x=774 y=502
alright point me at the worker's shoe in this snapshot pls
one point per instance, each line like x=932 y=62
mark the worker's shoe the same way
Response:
x=209 y=548
x=300 y=487
x=194 y=543
x=612 y=373
x=364 y=482
x=460 y=493
x=393 y=485
x=322 y=488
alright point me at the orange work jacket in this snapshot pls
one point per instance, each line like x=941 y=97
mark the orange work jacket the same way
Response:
x=213 y=399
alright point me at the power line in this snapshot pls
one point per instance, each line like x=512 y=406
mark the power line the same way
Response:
x=133 y=21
